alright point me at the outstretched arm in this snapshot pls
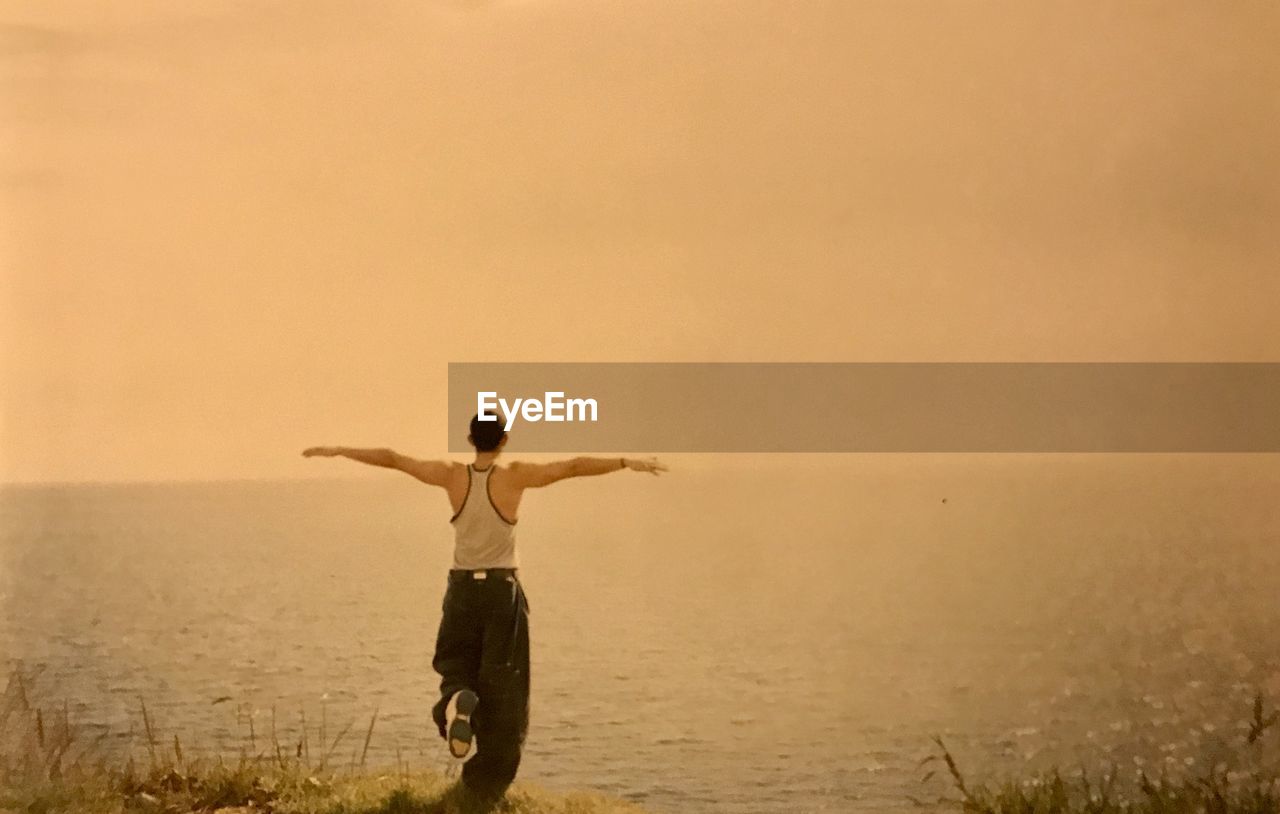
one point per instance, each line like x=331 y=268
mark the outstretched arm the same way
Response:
x=530 y=476
x=435 y=473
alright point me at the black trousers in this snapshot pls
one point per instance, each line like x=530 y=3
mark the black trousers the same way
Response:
x=483 y=645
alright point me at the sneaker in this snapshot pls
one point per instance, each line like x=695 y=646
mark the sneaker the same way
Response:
x=457 y=716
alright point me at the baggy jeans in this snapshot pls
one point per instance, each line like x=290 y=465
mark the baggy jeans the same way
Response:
x=483 y=645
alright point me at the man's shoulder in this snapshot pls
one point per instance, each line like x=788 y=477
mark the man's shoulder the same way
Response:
x=516 y=473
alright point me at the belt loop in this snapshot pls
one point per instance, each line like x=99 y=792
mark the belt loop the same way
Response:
x=479 y=574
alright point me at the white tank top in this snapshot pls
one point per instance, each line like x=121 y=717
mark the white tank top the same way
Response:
x=482 y=538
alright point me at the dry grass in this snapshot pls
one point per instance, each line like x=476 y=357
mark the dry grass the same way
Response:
x=1249 y=786
x=45 y=768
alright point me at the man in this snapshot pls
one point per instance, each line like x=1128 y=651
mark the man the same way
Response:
x=482 y=648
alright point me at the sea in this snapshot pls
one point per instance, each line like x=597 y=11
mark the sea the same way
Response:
x=742 y=634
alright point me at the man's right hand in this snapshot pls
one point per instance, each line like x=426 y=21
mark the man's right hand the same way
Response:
x=323 y=452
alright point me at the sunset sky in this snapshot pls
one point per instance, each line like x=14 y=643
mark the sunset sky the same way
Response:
x=230 y=233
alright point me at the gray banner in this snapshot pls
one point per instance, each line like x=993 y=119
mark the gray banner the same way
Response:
x=890 y=407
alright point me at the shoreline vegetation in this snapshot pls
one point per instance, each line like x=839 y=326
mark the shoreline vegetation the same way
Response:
x=45 y=767
x=1245 y=781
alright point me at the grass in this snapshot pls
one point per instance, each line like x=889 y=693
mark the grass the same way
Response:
x=46 y=768
x=1248 y=785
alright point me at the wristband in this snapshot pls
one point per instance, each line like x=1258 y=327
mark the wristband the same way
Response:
x=623 y=461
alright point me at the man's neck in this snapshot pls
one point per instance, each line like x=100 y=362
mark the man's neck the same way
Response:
x=484 y=460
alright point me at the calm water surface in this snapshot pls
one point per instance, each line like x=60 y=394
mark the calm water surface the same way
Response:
x=775 y=640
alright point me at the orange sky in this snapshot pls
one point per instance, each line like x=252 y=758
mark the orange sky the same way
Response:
x=232 y=233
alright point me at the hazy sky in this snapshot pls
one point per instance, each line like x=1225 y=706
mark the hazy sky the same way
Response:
x=230 y=233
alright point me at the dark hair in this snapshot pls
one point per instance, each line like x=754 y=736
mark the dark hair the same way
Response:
x=486 y=435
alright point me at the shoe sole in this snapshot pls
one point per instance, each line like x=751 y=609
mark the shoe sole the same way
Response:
x=460 y=735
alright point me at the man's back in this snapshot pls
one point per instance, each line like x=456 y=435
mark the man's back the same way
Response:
x=483 y=536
